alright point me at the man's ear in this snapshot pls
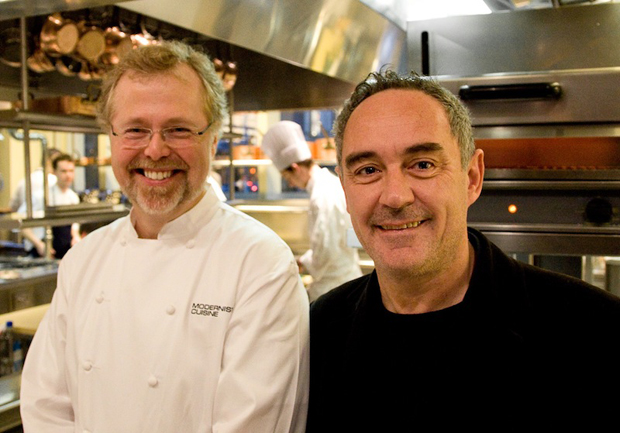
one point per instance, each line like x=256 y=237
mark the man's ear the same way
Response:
x=475 y=176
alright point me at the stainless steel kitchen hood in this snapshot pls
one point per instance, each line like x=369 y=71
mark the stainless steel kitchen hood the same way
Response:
x=17 y=8
x=291 y=53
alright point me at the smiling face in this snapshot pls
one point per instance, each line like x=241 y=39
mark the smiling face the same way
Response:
x=405 y=186
x=161 y=181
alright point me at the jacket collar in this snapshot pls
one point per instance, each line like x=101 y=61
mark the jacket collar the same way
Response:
x=187 y=224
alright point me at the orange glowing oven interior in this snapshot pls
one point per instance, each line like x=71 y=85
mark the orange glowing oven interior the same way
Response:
x=562 y=153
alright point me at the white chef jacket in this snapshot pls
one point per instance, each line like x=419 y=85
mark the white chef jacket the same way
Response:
x=203 y=330
x=329 y=260
x=56 y=197
x=36 y=189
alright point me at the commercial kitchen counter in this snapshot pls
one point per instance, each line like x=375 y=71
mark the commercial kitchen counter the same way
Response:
x=25 y=323
x=26 y=282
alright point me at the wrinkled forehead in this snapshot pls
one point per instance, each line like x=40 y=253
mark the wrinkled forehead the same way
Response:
x=402 y=109
x=181 y=72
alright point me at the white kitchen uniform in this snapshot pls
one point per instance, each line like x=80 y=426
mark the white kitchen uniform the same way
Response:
x=329 y=261
x=36 y=187
x=56 y=197
x=203 y=330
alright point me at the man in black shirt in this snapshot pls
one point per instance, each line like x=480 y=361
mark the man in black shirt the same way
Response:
x=448 y=332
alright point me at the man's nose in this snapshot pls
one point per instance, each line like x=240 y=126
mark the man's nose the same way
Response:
x=396 y=193
x=157 y=147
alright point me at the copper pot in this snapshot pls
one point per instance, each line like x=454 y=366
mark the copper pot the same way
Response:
x=69 y=66
x=230 y=76
x=219 y=68
x=85 y=73
x=59 y=36
x=39 y=62
x=117 y=45
x=91 y=44
x=10 y=46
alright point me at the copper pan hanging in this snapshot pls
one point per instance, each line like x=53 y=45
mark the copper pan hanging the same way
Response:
x=92 y=42
x=39 y=62
x=10 y=46
x=117 y=45
x=68 y=66
x=59 y=36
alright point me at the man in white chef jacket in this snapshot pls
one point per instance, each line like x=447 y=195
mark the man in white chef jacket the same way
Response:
x=187 y=315
x=330 y=261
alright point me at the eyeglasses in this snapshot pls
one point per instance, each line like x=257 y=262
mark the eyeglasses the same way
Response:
x=175 y=136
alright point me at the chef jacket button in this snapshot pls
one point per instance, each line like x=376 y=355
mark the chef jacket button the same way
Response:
x=190 y=244
x=87 y=365
x=153 y=381
x=170 y=309
x=100 y=298
x=123 y=242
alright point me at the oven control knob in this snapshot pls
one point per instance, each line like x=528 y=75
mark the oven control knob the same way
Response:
x=598 y=211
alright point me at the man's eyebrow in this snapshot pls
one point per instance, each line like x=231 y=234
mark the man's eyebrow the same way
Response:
x=356 y=157
x=424 y=147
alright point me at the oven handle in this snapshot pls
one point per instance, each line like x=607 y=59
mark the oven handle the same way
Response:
x=511 y=91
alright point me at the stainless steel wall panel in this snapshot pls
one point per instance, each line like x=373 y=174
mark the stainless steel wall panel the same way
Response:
x=531 y=40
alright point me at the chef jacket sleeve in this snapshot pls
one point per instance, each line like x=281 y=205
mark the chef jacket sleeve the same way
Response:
x=325 y=227
x=263 y=385
x=45 y=403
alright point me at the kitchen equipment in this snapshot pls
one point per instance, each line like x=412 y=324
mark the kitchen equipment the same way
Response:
x=230 y=75
x=92 y=43
x=66 y=104
x=26 y=267
x=552 y=156
x=39 y=62
x=68 y=66
x=219 y=67
x=10 y=46
x=117 y=45
x=59 y=36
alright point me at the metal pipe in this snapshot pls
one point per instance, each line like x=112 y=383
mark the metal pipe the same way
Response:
x=28 y=197
x=27 y=137
x=25 y=107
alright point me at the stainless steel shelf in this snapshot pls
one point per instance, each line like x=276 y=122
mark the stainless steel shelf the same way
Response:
x=231 y=136
x=52 y=122
x=559 y=239
x=18 y=221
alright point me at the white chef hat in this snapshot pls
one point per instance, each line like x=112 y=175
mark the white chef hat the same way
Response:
x=285 y=144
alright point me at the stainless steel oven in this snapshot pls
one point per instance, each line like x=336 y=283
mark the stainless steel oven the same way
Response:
x=552 y=153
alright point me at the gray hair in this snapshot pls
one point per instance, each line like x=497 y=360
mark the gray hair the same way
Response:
x=160 y=58
x=375 y=82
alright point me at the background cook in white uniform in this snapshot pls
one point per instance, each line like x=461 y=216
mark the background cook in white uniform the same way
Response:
x=330 y=261
x=59 y=194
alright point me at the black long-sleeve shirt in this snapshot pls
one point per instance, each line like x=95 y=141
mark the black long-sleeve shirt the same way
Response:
x=526 y=350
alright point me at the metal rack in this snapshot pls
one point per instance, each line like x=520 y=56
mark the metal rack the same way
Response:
x=27 y=120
